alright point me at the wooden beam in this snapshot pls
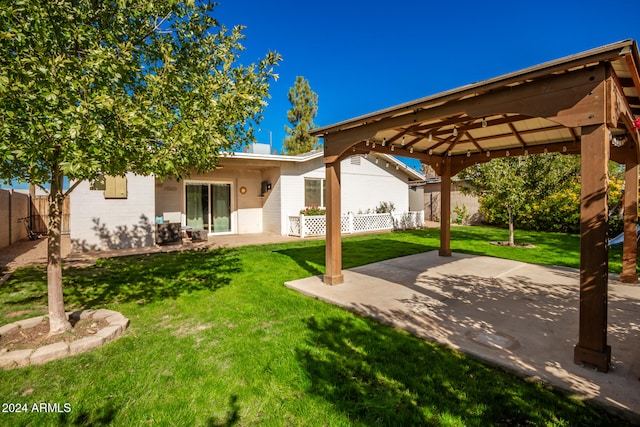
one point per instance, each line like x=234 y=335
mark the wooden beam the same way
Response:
x=475 y=124
x=572 y=99
x=463 y=161
x=630 y=244
x=635 y=73
x=517 y=134
x=592 y=348
x=333 y=248
x=362 y=148
x=445 y=209
x=620 y=110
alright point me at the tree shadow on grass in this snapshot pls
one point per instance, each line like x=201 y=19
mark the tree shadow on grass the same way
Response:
x=232 y=417
x=380 y=376
x=147 y=278
x=354 y=253
x=102 y=416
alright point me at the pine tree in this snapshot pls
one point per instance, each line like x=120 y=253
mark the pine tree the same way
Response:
x=304 y=107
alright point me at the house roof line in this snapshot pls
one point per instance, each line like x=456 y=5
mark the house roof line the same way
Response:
x=301 y=158
x=276 y=157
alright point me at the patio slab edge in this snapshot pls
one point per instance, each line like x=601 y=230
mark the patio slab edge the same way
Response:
x=387 y=286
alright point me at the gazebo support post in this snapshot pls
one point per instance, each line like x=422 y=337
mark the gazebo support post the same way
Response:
x=333 y=248
x=592 y=348
x=445 y=209
x=630 y=245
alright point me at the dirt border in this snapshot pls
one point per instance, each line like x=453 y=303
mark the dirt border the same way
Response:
x=116 y=325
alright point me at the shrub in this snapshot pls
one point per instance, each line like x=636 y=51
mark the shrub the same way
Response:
x=461 y=213
x=385 y=207
x=313 y=211
x=558 y=212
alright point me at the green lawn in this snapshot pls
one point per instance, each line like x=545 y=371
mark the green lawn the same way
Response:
x=216 y=339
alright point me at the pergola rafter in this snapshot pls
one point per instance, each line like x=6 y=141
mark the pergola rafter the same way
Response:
x=583 y=104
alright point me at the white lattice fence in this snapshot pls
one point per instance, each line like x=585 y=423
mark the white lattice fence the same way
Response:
x=372 y=222
x=408 y=220
x=316 y=225
x=313 y=225
x=294 y=226
x=346 y=224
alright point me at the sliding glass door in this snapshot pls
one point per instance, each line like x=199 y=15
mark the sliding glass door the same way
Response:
x=208 y=207
x=221 y=207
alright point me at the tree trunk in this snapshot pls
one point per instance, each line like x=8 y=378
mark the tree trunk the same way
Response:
x=58 y=322
x=511 y=234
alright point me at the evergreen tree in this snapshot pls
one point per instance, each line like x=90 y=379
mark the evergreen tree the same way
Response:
x=304 y=107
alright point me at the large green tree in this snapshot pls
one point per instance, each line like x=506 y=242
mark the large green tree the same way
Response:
x=95 y=87
x=512 y=182
x=304 y=107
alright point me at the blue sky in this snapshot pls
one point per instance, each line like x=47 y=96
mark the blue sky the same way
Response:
x=360 y=57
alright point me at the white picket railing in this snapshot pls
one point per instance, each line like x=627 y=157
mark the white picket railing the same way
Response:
x=304 y=225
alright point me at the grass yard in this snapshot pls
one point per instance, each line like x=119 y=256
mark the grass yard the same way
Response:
x=216 y=339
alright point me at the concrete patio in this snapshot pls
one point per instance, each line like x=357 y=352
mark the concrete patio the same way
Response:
x=519 y=316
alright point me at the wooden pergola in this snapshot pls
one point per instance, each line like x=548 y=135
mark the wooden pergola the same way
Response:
x=583 y=104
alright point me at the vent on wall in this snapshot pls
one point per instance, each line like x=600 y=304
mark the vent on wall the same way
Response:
x=355 y=160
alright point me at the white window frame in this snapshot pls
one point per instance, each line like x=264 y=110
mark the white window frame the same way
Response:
x=323 y=188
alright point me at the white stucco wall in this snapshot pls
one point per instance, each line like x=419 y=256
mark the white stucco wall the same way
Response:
x=363 y=185
x=367 y=184
x=99 y=223
x=271 y=203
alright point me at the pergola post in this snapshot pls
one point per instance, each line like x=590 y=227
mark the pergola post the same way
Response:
x=630 y=245
x=445 y=209
x=592 y=348
x=333 y=248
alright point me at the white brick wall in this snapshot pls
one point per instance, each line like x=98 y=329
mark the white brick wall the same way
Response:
x=99 y=223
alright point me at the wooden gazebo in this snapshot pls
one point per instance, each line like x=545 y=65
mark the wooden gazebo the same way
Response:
x=583 y=104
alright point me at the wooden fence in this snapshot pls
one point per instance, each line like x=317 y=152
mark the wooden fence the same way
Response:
x=40 y=215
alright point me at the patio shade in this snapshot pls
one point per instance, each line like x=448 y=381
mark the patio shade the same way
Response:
x=583 y=104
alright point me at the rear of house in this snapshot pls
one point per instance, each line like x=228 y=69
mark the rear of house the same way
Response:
x=248 y=193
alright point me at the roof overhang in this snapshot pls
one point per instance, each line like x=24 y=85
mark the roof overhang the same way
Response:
x=535 y=110
x=301 y=158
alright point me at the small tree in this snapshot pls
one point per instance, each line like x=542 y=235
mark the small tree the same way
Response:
x=304 y=107
x=91 y=88
x=514 y=181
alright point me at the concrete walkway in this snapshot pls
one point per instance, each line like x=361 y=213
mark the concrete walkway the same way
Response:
x=520 y=316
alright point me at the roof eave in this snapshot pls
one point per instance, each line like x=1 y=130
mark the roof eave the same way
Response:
x=607 y=52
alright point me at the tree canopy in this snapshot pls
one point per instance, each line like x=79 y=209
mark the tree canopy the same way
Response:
x=89 y=88
x=304 y=107
x=512 y=182
x=115 y=86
